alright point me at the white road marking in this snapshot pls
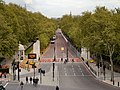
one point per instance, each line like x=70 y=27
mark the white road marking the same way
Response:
x=6 y=84
x=81 y=70
x=65 y=74
x=74 y=74
x=73 y=70
x=65 y=71
x=82 y=73
x=78 y=75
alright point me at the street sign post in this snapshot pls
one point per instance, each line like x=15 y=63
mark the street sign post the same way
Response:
x=32 y=56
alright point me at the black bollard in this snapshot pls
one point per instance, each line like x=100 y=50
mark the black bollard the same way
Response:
x=118 y=84
x=113 y=82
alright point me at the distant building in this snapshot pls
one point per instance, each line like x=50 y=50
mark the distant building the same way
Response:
x=36 y=49
x=21 y=52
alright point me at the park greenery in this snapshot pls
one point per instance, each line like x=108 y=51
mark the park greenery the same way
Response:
x=17 y=25
x=98 y=31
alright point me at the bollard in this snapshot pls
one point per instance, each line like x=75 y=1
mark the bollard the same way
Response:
x=118 y=84
x=113 y=82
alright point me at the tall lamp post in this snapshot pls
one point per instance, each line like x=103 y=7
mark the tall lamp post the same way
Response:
x=67 y=54
x=21 y=57
x=54 y=63
x=62 y=49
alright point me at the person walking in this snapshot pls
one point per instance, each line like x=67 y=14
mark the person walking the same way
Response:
x=37 y=80
x=21 y=85
x=33 y=80
x=5 y=75
x=30 y=80
x=57 y=88
x=26 y=79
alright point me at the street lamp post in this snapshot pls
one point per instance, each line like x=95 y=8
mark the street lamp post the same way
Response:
x=62 y=49
x=54 y=63
x=67 y=53
x=18 y=71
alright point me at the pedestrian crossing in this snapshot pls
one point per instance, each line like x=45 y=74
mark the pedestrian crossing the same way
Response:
x=59 y=60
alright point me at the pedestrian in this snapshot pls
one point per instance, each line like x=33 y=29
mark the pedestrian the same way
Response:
x=57 y=88
x=30 y=80
x=5 y=75
x=37 y=80
x=26 y=79
x=21 y=85
x=61 y=59
x=33 y=80
x=72 y=60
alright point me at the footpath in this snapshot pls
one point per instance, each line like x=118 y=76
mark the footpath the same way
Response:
x=47 y=79
x=105 y=78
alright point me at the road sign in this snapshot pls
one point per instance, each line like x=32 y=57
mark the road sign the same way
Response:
x=32 y=56
x=62 y=48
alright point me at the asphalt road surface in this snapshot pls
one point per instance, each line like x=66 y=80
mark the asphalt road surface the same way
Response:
x=76 y=76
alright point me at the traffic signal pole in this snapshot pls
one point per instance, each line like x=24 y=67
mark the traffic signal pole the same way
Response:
x=34 y=69
x=53 y=70
x=40 y=77
x=18 y=71
x=54 y=63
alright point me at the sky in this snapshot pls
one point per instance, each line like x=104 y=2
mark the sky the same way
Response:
x=58 y=8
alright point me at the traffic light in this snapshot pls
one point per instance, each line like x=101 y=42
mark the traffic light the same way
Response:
x=33 y=66
x=39 y=70
x=43 y=72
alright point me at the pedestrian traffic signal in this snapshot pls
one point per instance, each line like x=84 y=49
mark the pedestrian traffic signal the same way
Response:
x=43 y=72
x=39 y=70
x=33 y=66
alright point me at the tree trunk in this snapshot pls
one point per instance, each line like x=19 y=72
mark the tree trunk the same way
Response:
x=112 y=70
x=101 y=63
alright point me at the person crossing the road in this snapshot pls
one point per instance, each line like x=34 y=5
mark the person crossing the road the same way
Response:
x=21 y=85
x=30 y=80
x=26 y=79
x=57 y=88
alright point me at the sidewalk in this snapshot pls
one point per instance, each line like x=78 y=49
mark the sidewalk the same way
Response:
x=98 y=73
x=47 y=79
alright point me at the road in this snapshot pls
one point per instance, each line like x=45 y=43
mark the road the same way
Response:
x=75 y=76
x=71 y=76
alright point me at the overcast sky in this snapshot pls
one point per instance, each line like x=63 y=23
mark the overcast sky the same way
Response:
x=57 y=8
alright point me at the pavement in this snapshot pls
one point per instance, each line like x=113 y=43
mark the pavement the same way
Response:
x=46 y=80
x=99 y=75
